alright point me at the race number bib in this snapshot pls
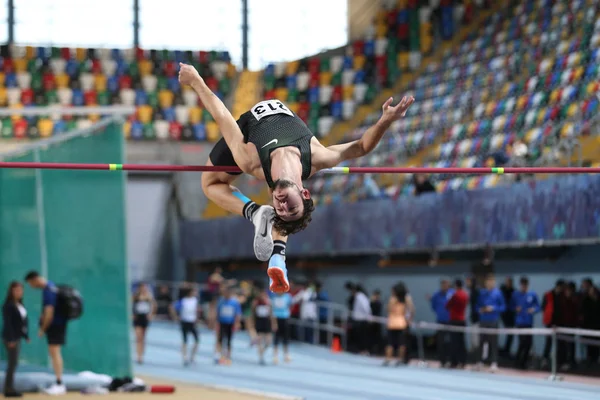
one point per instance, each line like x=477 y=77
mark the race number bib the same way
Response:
x=263 y=311
x=269 y=107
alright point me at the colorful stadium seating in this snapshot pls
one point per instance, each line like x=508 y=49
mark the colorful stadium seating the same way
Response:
x=529 y=74
x=328 y=88
x=86 y=77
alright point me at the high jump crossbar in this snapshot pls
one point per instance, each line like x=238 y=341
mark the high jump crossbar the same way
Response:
x=334 y=170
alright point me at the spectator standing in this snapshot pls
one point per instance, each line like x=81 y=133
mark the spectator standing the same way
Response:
x=551 y=314
x=590 y=317
x=307 y=298
x=282 y=303
x=525 y=304
x=569 y=318
x=361 y=315
x=229 y=315
x=490 y=306
x=53 y=325
x=351 y=289
x=473 y=292
x=508 y=316
x=438 y=305
x=422 y=184
x=397 y=325
x=457 y=307
x=144 y=308
x=375 y=330
x=164 y=300
x=322 y=297
x=14 y=328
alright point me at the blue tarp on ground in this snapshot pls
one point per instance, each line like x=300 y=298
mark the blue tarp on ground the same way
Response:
x=556 y=209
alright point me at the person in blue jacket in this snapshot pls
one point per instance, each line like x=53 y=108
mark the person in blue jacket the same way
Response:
x=442 y=316
x=490 y=305
x=525 y=304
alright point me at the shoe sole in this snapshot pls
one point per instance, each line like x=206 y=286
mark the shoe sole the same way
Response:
x=278 y=282
x=263 y=245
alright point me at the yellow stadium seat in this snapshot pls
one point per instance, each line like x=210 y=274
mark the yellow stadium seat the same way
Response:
x=291 y=68
x=29 y=52
x=144 y=113
x=489 y=109
x=281 y=94
x=2 y=78
x=541 y=115
x=578 y=73
x=381 y=30
x=212 y=131
x=472 y=128
x=294 y=107
x=522 y=102
x=145 y=67
x=45 y=126
x=3 y=96
x=80 y=54
x=590 y=88
x=100 y=82
x=94 y=117
x=325 y=78
x=16 y=117
x=165 y=98
x=469 y=84
x=20 y=65
x=506 y=88
x=402 y=60
x=564 y=131
x=572 y=110
x=489 y=162
x=554 y=96
x=401 y=4
x=62 y=81
x=348 y=92
x=426 y=37
x=195 y=115
x=380 y=16
x=359 y=62
x=127 y=129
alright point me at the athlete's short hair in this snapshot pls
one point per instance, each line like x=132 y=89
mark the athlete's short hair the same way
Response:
x=290 y=227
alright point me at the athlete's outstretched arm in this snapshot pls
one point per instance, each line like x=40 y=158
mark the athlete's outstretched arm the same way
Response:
x=229 y=128
x=327 y=157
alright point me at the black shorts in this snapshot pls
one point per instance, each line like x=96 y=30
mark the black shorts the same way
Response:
x=225 y=333
x=262 y=325
x=221 y=155
x=396 y=338
x=188 y=328
x=283 y=332
x=141 y=321
x=57 y=334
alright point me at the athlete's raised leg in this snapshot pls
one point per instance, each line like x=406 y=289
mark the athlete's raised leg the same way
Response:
x=217 y=187
x=227 y=125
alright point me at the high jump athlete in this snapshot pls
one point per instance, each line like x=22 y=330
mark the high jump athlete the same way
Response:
x=273 y=144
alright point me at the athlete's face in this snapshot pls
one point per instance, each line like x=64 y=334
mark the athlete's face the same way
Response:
x=288 y=200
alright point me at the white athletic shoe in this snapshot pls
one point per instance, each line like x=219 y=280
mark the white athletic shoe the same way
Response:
x=494 y=367
x=56 y=390
x=263 y=235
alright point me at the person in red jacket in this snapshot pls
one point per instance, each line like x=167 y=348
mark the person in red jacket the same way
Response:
x=551 y=314
x=457 y=307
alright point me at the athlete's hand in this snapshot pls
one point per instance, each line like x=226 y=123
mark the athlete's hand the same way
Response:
x=394 y=113
x=188 y=74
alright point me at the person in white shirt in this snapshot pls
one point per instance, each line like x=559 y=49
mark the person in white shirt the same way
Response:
x=361 y=315
x=186 y=311
x=307 y=298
